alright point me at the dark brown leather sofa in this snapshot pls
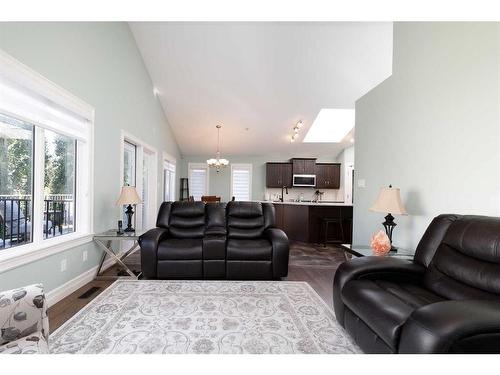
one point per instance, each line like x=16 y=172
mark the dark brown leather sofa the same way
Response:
x=194 y=240
x=447 y=300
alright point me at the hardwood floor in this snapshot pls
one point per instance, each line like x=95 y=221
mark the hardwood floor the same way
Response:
x=314 y=264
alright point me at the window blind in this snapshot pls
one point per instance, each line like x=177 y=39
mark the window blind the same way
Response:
x=197 y=182
x=241 y=177
x=24 y=94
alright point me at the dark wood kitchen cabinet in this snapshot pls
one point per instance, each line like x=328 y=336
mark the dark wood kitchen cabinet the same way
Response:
x=295 y=222
x=279 y=211
x=278 y=175
x=304 y=223
x=304 y=166
x=327 y=175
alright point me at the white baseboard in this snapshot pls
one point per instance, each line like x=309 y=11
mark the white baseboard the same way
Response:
x=64 y=290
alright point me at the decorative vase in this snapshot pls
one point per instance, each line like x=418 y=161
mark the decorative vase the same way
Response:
x=380 y=243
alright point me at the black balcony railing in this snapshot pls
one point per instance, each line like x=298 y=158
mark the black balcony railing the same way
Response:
x=16 y=214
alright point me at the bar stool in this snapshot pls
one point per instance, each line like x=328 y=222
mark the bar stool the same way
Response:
x=338 y=222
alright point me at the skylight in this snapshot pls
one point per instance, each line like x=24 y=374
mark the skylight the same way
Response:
x=330 y=126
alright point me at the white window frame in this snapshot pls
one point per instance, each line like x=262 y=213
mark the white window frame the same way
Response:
x=169 y=159
x=84 y=198
x=141 y=148
x=242 y=166
x=207 y=178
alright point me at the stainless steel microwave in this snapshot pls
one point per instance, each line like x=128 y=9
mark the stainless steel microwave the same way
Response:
x=306 y=180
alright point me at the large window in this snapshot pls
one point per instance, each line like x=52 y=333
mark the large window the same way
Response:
x=198 y=180
x=129 y=171
x=168 y=180
x=129 y=163
x=149 y=202
x=59 y=184
x=16 y=181
x=140 y=170
x=45 y=165
x=241 y=182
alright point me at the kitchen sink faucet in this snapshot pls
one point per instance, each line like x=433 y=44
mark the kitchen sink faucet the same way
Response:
x=286 y=189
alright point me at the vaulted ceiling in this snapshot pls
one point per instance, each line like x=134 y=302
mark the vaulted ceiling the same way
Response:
x=259 y=79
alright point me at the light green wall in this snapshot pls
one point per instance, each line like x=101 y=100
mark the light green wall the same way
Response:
x=432 y=128
x=99 y=63
x=220 y=183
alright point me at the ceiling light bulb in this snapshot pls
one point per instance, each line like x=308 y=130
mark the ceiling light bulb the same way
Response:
x=299 y=124
x=292 y=138
x=296 y=129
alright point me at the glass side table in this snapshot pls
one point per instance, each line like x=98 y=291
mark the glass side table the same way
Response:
x=105 y=241
x=365 y=251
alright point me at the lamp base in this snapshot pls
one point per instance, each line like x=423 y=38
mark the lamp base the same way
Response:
x=129 y=212
x=389 y=225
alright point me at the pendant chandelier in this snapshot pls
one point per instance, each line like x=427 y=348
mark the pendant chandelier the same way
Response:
x=217 y=163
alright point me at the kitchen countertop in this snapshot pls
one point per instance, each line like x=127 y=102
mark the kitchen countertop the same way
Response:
x=327 y=203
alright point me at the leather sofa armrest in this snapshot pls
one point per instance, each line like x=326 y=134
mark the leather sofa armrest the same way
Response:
x=372 y=267
x=466 y=326
x=281 y=251
x=149 y=247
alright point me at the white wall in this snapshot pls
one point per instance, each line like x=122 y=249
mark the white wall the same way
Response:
x=99 y=63
x=432 y=128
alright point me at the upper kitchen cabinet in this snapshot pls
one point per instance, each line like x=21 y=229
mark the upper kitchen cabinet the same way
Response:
x=278 y=175
x=304 y=166
x=327 y=175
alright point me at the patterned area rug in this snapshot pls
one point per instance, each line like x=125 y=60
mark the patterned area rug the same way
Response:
x=156 y=316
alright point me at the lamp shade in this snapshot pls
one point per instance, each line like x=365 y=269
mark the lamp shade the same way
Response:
x=389 y=201
x=128 y=196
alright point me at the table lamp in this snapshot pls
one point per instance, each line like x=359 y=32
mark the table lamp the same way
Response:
x=389 y=201
x=129 y=196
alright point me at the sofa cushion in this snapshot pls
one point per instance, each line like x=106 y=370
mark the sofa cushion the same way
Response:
x=385 y=306
x=180 y=249
x=258 y=249
x=432 y=238
x=187 y=220
x=245 y=220
x=467 y=262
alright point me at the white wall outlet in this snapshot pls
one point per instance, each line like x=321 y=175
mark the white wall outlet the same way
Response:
x=361 y=183
x=85 y=255
x=64 y=265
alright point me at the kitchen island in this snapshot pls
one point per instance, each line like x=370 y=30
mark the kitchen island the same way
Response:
x=302 y=221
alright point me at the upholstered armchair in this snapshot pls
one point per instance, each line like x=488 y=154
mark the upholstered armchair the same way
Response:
x=23 y=321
